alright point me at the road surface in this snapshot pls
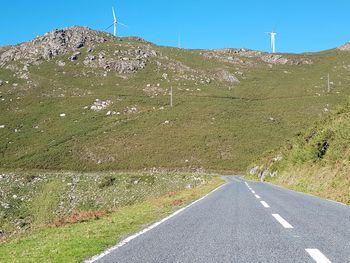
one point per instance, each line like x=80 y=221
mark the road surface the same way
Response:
x=244 y=222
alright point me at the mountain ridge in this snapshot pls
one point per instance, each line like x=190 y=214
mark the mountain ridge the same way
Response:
x=344 y=47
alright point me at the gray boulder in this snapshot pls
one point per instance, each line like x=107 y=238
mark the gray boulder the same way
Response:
x=74 y=56
x=254 y=170
x=227 y=77
x=61 y=63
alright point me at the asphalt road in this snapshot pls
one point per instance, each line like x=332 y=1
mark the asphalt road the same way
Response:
x=245 y=222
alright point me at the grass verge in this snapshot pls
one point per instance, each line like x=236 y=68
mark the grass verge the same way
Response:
x=76 y=242
x=326 y=182
x=315 y=161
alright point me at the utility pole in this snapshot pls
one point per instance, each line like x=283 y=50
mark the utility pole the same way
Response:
x=171 y=97
x=328 y=84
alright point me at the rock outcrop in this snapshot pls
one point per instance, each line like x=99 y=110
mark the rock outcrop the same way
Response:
x=264 y=171
x=226 y=76
x=52 y=44
x=282 y=60
x=345 y=47
x=70 y=41
x=245 y=57
x=122 y=61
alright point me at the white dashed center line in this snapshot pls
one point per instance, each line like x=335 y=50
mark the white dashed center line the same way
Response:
x=264 y=204
x=317 y=255
x=283 y=222
x=314 y=253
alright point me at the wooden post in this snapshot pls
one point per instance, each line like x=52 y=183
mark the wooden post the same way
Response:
x=171 y=97
x=328 y=84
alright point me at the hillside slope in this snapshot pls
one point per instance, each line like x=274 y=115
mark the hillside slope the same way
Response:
x=79 y=99
x=316 y=161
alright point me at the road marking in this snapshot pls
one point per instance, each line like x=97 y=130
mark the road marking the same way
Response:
x=300 y=193
x=128 y=239
x=246 y=184
x=236 y=180
x=264 y=204
x=283 y=222
x=317 y=255
x=257 y=196
x=253 y=191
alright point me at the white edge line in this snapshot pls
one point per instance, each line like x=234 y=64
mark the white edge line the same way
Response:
x=265 y=204
x=128 y=239
x=282 y=221
x=317 y=255
x=303 y=193
x=236 y=180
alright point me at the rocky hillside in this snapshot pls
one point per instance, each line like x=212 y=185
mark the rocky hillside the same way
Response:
x=129 y=59
x=79 y=99
x=69 y=42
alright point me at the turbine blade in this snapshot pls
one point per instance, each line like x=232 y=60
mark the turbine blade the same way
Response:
x=110 y=26
x=121 y=24
x=114 y=16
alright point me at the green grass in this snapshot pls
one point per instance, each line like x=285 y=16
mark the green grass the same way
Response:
x=46 y=201
x=75 y=242
x=213 y=128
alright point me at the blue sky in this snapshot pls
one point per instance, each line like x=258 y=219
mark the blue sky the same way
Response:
x=302 y=25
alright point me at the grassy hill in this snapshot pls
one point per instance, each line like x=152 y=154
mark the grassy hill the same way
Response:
x=230 y=105
x=315 y=161
x=80 y=100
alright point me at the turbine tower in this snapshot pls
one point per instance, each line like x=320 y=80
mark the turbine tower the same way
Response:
x=115 y=23
x=273 y=41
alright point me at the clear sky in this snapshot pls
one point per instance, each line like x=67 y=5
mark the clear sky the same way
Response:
x=301 y=25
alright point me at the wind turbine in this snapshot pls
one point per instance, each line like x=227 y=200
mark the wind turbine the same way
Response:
x=115 y=23
x=273 y=41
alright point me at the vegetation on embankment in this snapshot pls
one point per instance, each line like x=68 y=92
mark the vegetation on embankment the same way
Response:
x=316 y=161
x=106 y=209
x=31 y=200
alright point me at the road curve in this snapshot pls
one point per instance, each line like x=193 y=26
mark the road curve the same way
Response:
x=245 y=222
